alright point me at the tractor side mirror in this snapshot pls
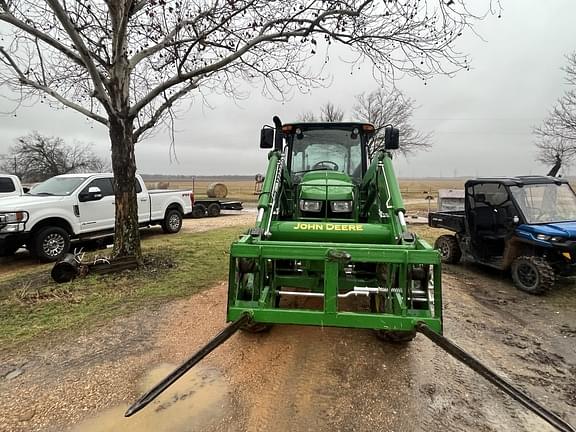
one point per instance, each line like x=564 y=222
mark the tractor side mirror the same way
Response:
x=391 y=138
x=267 y=138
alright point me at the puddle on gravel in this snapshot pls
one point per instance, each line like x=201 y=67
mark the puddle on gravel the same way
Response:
x=194 y=401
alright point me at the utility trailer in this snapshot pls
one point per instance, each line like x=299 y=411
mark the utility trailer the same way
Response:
x=211 y=207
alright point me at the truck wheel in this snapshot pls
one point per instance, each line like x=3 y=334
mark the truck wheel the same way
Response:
x=51 y=243
x=198 y=211
x=449 y=249
x=533 y=275
x=214 y=210
x=172 y=221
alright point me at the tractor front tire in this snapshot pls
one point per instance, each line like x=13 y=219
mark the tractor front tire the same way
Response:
x=449 y=249
x=395 y=336
x=172 y=222
x=254 y=327
x=533 y=275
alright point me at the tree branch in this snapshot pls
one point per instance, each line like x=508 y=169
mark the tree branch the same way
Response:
x=100 y=92
x=44 y=88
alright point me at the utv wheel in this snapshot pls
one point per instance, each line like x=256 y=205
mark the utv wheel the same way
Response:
x=198 y=211
x=214 y=210
x=172 y=221
x=51 y=243
x=533 y=275
x=449 y=249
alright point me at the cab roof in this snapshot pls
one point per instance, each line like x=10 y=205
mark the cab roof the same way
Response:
x=518 y=180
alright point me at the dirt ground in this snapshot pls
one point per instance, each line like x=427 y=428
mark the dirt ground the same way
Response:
x=302 y=378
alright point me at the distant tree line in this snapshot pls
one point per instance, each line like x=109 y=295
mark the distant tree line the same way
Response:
x=35 y=158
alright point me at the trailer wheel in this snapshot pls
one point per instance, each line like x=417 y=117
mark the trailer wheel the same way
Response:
x=449 y=249
x=214 y=210
x=533 y=275
x=51 y=243
x=198 y=211
x=172 y=222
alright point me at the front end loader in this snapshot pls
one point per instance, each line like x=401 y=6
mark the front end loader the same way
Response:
x=331 y=227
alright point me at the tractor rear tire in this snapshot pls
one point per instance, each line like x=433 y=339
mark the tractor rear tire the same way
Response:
x=449 y=249
x=533 y=275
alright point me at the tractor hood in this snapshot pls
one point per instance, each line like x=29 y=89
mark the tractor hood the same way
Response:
x=326 y=185
x=557 y=229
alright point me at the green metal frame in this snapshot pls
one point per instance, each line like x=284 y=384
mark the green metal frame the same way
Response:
x=322 y=257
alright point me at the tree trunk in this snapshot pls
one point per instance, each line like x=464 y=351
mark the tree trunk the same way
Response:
x=127 y=234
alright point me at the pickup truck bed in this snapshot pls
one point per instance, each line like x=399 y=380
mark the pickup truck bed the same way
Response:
x=451 y=220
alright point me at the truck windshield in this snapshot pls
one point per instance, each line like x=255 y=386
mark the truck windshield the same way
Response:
x=327 y=149
x=57 y=186
x=546 y=203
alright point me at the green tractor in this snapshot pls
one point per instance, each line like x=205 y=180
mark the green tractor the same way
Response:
x=330 y=231
x=331 y=226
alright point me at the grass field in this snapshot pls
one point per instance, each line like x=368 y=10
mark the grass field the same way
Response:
x=175 y=266
x=244 y=190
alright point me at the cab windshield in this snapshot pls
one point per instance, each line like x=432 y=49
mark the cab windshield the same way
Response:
x=57 y=186
x=546 y=203
x=327 y=149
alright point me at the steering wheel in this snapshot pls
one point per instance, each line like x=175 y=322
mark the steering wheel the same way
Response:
x=326 y=165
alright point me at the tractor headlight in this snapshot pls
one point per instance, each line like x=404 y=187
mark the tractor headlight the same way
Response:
x=557 y=239
x=542 y=237
x=310 y=206
x=341 y=206
x=13 y=217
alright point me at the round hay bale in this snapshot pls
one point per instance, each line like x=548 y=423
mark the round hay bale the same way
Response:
x=217 y=190
x=163 y=185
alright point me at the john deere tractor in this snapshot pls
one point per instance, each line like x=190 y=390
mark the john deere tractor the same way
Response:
x=330 y=232
x=331 y=226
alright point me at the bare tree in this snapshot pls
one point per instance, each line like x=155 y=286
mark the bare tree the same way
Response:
x=307 y=117
x=382 y=108
x=127 y=63
x=557 y=135
x=331 y=113
x=36 y=158
x=555 y=152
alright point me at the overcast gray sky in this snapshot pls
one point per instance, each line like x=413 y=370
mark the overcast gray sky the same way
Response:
x=481 y=119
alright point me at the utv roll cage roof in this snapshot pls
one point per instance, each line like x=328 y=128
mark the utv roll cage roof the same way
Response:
x=518 y=181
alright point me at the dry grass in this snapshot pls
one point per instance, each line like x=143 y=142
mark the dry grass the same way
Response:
x=411 y=188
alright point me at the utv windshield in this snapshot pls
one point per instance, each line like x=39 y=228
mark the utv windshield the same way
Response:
x=546 y=203
x=327 y=149
x=57 y=186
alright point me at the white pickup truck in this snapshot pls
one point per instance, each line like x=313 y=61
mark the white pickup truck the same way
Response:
x=74 y=207
x=10 y=186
